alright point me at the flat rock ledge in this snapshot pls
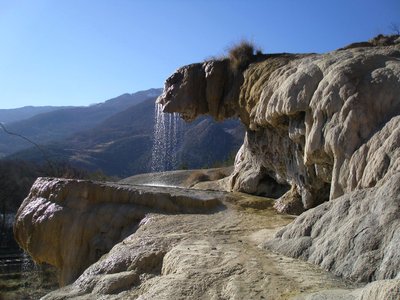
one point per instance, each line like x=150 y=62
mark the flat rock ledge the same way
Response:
x=70 y=224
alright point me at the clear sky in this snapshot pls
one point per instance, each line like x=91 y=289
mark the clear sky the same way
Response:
x=78 y=52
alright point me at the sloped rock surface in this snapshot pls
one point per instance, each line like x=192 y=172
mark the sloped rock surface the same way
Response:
x=356 y=236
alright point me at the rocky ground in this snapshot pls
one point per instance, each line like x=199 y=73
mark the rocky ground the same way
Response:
x=202 y=256
x=177 y=248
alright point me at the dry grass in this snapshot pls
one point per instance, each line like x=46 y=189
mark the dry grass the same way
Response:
x=241 y=55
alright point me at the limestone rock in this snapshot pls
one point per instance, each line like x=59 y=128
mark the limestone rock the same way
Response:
x=381 y=290
x=200 y=256
x=314 y=122
x=202 y=88
x=320 y=127
x=378 y=290
x=70 y=224
x=356 y=236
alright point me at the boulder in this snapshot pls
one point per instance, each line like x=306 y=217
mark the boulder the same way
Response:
x=70 y=224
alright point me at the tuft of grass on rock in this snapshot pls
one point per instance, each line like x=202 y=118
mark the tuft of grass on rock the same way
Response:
x=241 y=55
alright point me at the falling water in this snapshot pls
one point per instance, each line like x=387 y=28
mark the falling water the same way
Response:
x=168 y=130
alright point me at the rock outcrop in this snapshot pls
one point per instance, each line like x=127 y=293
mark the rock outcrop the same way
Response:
x=319 y=127
x=355 y=236
x=70 y=224
x=315 y=123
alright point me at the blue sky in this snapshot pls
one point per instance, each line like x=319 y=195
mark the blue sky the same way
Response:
x=78 y=52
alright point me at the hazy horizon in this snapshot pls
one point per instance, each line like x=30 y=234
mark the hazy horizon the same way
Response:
x=81 y=105
x=61 y=53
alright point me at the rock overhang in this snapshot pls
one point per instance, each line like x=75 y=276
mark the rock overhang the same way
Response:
x=318 y=109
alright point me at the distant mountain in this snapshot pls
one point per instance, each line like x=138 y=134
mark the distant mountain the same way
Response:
x=121 y=145
x=59 y=124
x=207 y=143
x=26 y=112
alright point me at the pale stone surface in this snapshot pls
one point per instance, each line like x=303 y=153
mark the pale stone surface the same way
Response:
x=71 y=223
x=202 y=88
x=315 y=122
x=378 y=290
x=327 y=125
x=356 y=236
x=381 y=290
x=197 y=256
x=201 y=256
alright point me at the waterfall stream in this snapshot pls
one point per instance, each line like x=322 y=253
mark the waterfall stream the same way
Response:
x=168 y=132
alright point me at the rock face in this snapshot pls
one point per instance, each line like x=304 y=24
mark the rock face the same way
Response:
x=356 y=236
x=114 y=241
x=78 y=221
x=208 y=88
x=319 y=127
x=324 y=124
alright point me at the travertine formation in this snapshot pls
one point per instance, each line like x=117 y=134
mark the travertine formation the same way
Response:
x=200 y=256
x=319 y=127
x=211 y=254
x=70 y=224
x=356 y=236
x=322 y=124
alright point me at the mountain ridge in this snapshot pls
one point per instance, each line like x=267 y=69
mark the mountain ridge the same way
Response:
x=10 y=115
x=128 y=136
x=59 y=124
